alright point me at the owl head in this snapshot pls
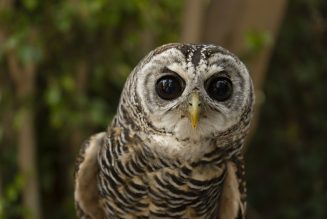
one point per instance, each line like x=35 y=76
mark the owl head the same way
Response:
x=189 y=92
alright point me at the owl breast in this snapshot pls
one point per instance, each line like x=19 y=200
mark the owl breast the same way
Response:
x=136 y=183
x=174 y=148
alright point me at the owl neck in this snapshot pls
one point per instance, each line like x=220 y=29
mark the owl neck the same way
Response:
x=191 y=151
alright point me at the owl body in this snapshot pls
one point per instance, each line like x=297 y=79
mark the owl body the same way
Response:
x=173 y=149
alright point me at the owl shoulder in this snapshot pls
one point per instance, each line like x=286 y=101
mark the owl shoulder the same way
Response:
x=232 y=202
x=86 y=170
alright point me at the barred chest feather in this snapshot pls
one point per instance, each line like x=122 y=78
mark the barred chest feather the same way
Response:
x=135 y=182
x=174 y=148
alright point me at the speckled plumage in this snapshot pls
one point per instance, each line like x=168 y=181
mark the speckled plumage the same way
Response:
x=151 y=163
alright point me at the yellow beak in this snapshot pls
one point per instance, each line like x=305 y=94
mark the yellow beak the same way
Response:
x=194 y=109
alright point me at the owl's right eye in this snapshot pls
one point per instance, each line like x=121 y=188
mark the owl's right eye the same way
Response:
x=169 y=87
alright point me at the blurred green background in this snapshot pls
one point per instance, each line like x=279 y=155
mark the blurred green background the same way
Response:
x=63 y=64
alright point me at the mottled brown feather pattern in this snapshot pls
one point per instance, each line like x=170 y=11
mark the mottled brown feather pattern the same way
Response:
x=137 y=182
x=231 y=201
x=86 y=193
x=151 y=163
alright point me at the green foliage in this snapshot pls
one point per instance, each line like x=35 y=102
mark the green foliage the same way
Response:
x=11 y=196
x=255 y=41
x=287 y=160
x=83 y=52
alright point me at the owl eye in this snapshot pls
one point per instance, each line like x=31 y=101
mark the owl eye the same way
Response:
x=219 y=88
x=169 y=87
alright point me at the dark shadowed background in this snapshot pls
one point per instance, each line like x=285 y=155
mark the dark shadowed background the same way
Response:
x=63 y=64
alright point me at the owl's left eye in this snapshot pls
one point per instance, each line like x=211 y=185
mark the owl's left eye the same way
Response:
x=219 y=88
x=169 y=87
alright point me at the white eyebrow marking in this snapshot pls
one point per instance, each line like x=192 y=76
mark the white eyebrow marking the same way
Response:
x=214 y=69
x=179 y=69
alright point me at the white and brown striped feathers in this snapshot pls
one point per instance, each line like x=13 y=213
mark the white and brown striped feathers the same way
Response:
x=153 y=162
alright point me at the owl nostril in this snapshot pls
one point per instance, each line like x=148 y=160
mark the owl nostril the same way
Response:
x=194 y=99
x=191 y=104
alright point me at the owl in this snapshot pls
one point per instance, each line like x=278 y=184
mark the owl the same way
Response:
x=174 y=148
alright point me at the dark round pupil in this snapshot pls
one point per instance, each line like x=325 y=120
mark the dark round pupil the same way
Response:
x=220 y=88
x=169 y=87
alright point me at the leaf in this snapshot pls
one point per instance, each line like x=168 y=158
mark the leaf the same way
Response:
x=255 y=40
x=68 y=82
x=53 y=95
x=30 y=4
x=30 y=53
